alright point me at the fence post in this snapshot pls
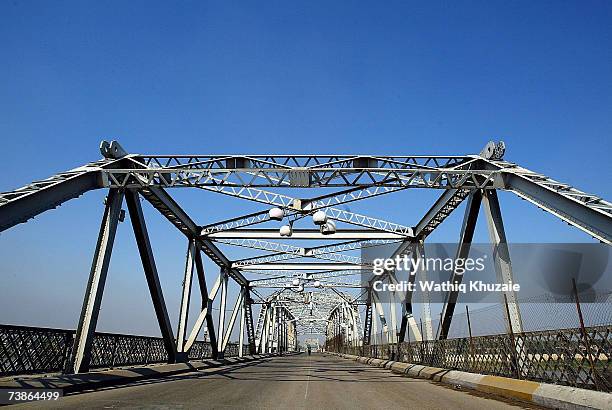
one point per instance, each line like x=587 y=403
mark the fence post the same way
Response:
x=421 y=323
x=585 y=336
x=514 y=358
x=471 y=352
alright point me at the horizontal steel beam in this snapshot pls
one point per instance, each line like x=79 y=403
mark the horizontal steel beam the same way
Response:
x=301 y=178
x=344 y=234
x=307 y=266
x=295 y=206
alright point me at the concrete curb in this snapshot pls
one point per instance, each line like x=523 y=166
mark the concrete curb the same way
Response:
x=549 y=395
x=73 y=383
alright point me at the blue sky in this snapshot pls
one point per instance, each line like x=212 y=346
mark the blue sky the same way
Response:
x=311 y=77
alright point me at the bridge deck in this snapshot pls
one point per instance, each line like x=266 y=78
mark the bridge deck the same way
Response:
x=286 y=382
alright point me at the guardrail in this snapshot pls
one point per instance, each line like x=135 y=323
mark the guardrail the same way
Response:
x=29 y=350
x=568 y=357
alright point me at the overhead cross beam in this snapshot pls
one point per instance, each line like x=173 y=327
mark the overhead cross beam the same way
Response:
x=300 y=178
x=296 y=206
x=283 y=249
x=341 y=234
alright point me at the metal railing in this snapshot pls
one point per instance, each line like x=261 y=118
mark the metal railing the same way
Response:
x=568 y=357
x=30 y=350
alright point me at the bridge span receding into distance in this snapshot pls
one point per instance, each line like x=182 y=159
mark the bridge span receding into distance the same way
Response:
x=303 y=280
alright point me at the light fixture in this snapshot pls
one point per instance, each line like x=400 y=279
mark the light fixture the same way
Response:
x=328 y=228
x=319 y=218
x=286 y=230
x=276 y=214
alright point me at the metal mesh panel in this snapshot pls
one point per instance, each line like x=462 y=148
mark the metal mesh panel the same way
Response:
x=109 y=350
x=33 y=350
x=566 y=357
x=231 y=350
x=200 y=350
x=25 y=350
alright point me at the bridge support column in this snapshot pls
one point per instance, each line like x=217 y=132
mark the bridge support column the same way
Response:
x=207 y=299
x=381 y=315
x=222 y=307
x=367 y=321
x=150 y=270
x=503 y=266
x=185 y=299
x=281 y=331
x=263 y=337
x=206 y=312
x=272 y=329
x=408 y=322
x=81 y=351
x=232 y=321
x=374 y=325
x=355 y=326
x=463 y=250
x=425 y=297
x=242 y=320
x=248 y=320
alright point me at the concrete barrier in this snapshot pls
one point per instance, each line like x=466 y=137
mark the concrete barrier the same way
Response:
x=549 y=395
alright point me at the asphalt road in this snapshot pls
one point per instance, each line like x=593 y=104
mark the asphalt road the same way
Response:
x=302 y=382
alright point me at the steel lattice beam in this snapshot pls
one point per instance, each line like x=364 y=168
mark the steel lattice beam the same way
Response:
x=296 y=206
x=343 y=234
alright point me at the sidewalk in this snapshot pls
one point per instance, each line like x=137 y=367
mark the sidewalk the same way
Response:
x=72 y=383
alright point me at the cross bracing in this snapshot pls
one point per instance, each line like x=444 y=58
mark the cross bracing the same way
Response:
x=301 y=269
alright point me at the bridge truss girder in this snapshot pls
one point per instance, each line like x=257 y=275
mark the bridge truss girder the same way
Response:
x=128 y=176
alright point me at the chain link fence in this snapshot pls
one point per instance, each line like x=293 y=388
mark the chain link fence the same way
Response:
x=553 y=346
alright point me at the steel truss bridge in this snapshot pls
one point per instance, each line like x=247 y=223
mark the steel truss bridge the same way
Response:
x=301 y=290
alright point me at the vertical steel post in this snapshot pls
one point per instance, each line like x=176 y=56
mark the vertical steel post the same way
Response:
x=232 y=320
x=381 y=315
x=81 y=352
x=408 y=321
x=263 y=342
x=185 y=299
x=206 y=303
x=393 y=314
x=585 y=336
x=249 y=325
x=367 y=320
x=515 y=363
x=469 y=324
x=242 y=320
x=503 y=266
x=425 y=296
x=222 y=307
x=374 y=322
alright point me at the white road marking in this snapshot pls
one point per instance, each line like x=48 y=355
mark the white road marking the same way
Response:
x=307 y=380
